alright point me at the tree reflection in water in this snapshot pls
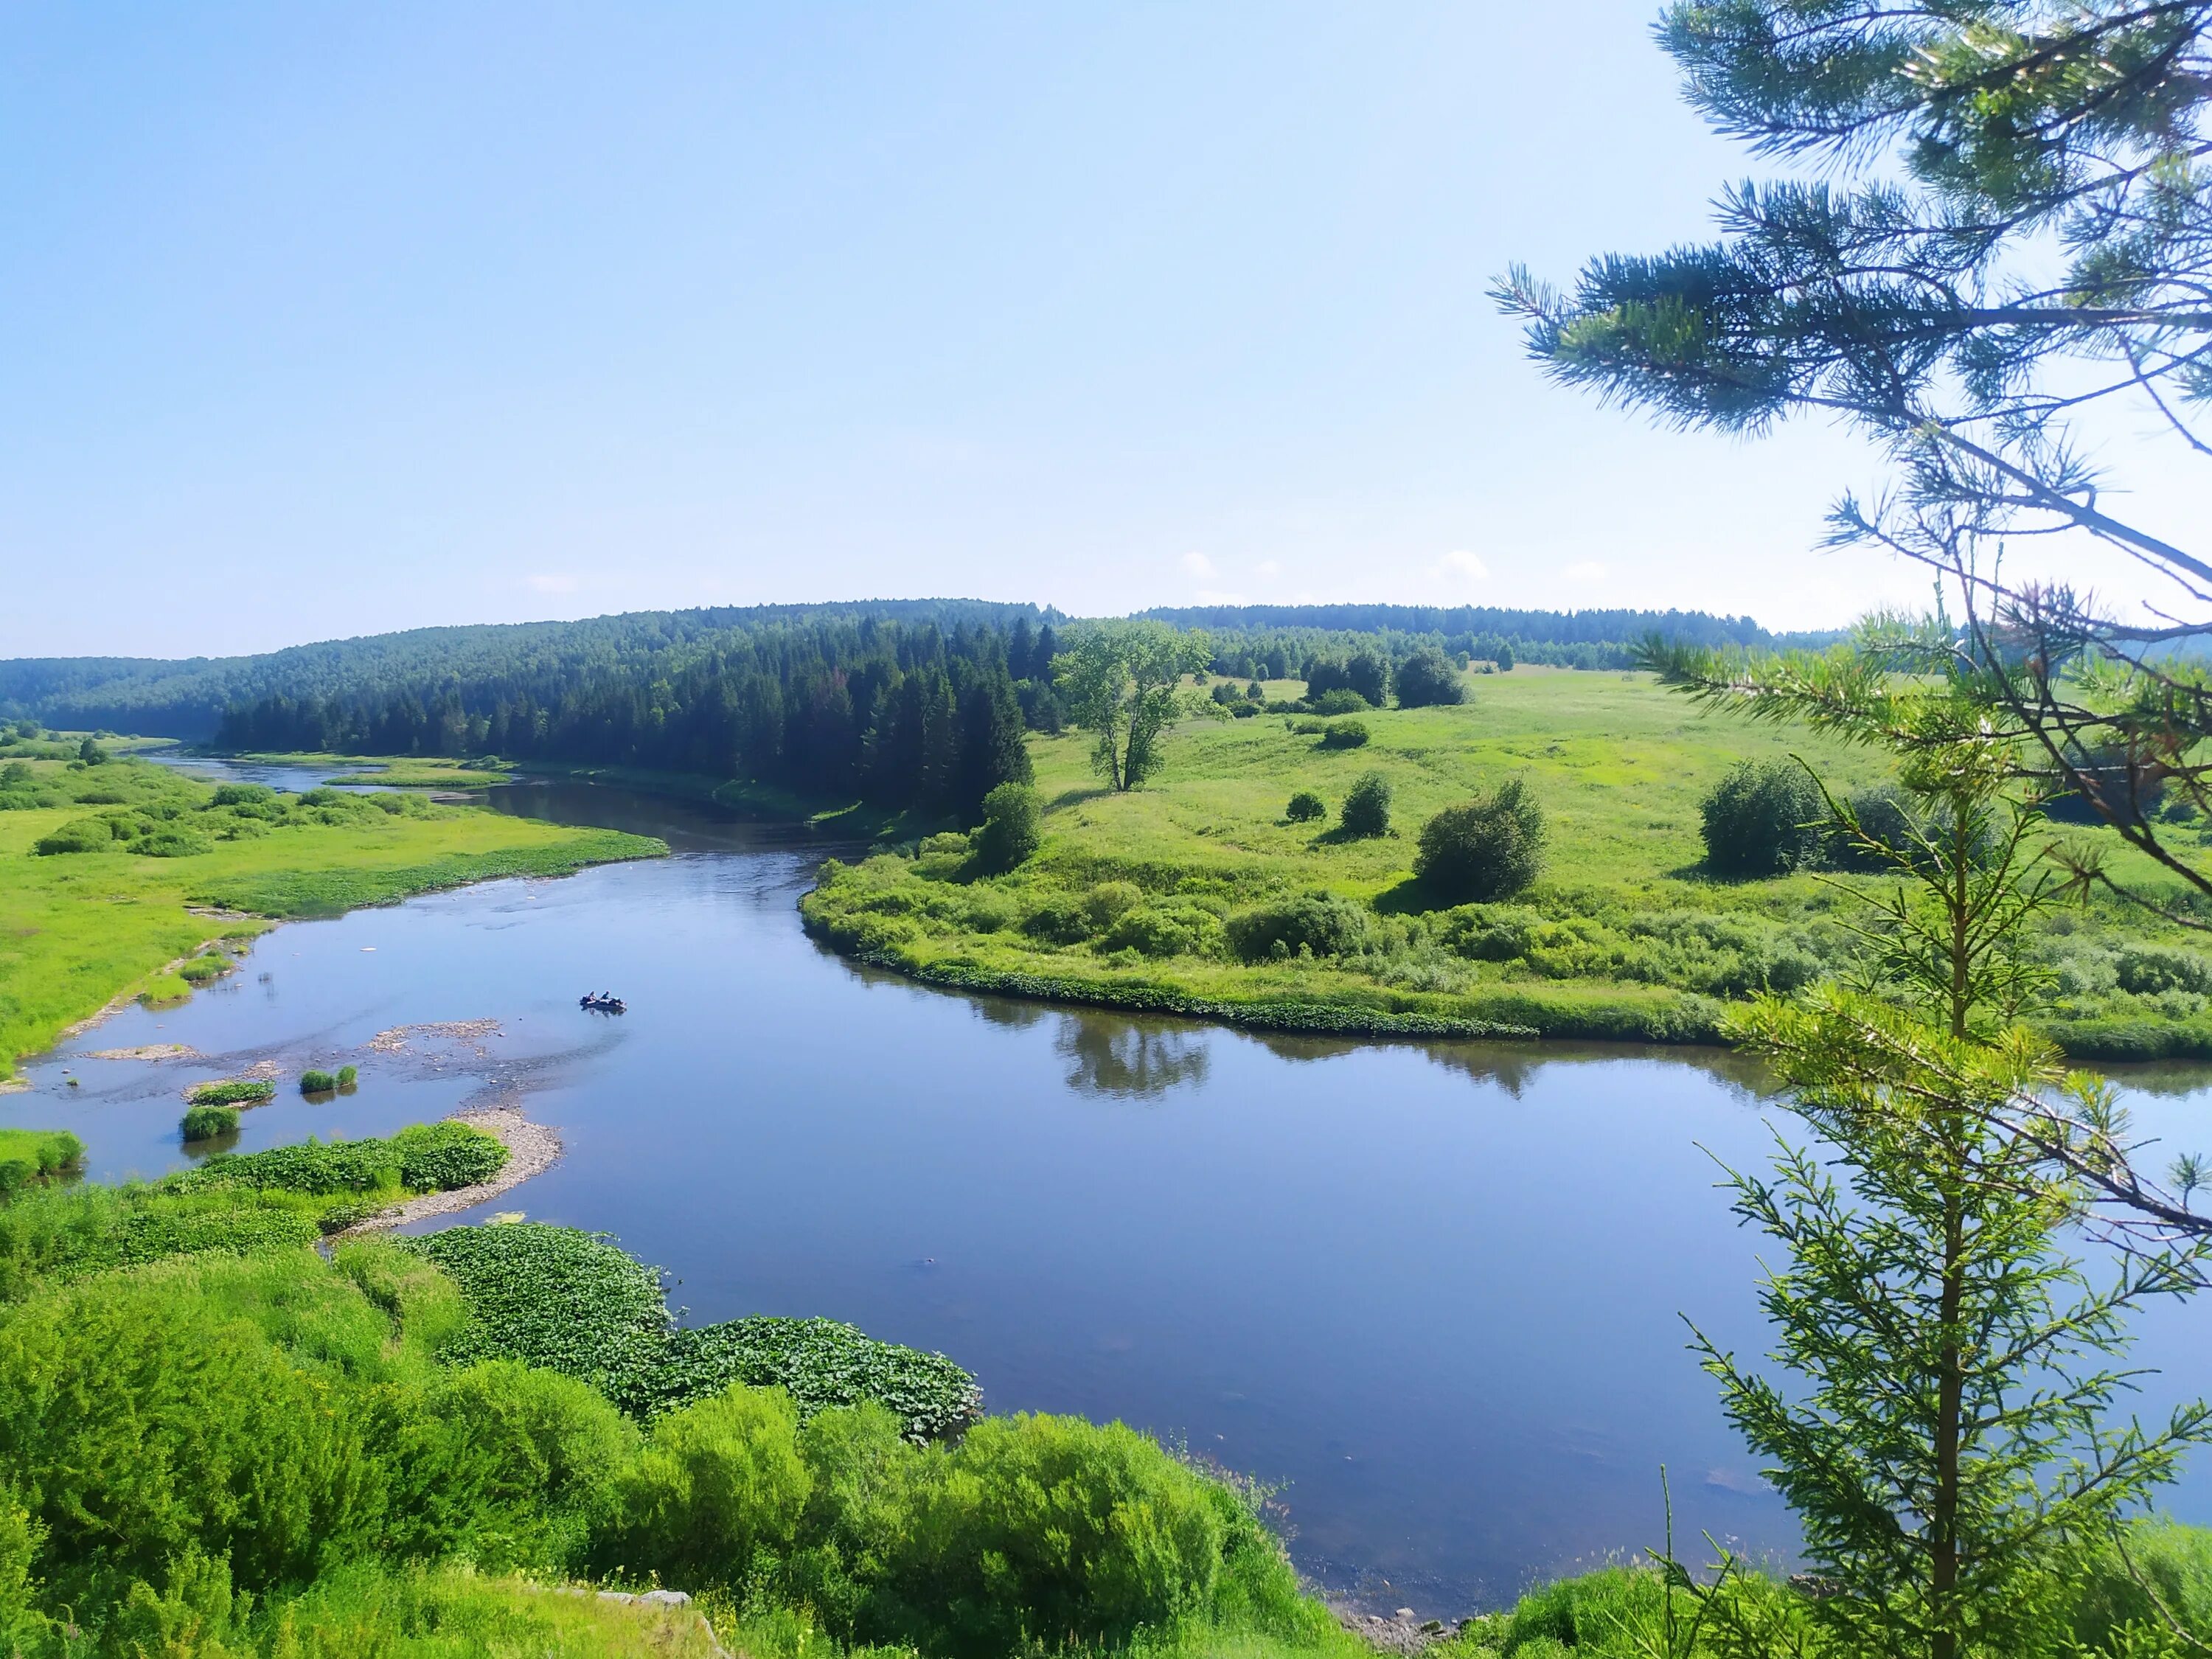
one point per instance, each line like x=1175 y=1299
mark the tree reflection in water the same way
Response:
x=1125 y=1058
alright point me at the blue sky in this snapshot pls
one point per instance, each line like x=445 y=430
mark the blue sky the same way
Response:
x=320 y=320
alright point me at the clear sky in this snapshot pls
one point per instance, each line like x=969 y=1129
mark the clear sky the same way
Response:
x=318 y=320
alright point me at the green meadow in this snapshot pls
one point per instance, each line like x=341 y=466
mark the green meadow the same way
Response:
x=1199 y=893
x=164 y=878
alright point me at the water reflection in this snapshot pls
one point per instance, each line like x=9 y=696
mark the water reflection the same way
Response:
x=1125 y=1059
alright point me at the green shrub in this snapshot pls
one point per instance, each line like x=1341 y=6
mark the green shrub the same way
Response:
x=1062 y=922
x=201 y=969
x=1165 y=931
x=139 y=1425
x=1345 y=734
x=1366 y=811
x=1012 y=828
x=242 y=794
x=233 y=1091
x=348 y=1076
x=78 y=835
x=1764 y=819
x=1306 y=807
x=171 y=844
x=1487 y=848
x=1883 y=814
x=1107 y=902
x=1428 y=677
x=1318 y=924
x=317 y=1083
x=1051 y=1531
x=1342 y=700
x=720 y=1484
x=2148 y=970
x=2170 y=1563
x=548 y=1451
x=206 y=1123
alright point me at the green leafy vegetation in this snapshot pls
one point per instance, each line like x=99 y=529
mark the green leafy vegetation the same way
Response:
x=312 y=1082
x=206 y=1123
x=579 y=1304
x=1626 y=932
x=1764 y=820
x=27 y=1156
x=1484 y=849
x=235 y=1092
x=80 y=928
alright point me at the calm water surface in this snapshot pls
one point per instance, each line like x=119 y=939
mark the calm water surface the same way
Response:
x=1432 y=1290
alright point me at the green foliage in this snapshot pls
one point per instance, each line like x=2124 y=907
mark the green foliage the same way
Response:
x=1345 y=734
x=211 y=965
x=1427 y=678
x=576 y=1304
x=1122 y=682
x=348 y=1076
x=1764 y=820
x=721 y=1485
x=33 y=1155
x=1343 y=700
x=1306 y=807
x=312 y=1082
x=1166 y=930
x=206 y=1123
x=78 y=835
x=235 y=1092
x=1313 y=924
x=422 y=1157
x=1012 y=828
x=1484 y=849
x=1366 y=811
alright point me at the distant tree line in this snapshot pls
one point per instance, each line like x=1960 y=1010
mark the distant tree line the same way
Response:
x=1283 y=641
x=903 y=714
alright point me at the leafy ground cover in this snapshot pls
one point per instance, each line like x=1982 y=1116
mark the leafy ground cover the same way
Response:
x=1201 y=893
x=176 y=867
x=577 y=1303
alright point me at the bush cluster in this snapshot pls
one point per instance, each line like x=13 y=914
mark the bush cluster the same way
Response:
x=1310 y=925
x=235 y=1092
x=206 y=1123
x=1487 y=848
x=1344 y=734
x=1366 y=811
x=1764 y=818
x=422 y=1157
x=153 y=812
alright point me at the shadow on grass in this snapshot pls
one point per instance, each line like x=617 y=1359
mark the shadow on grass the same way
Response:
x=1076 y=797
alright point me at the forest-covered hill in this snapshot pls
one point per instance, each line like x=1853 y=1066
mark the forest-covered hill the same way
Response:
x=911 y=703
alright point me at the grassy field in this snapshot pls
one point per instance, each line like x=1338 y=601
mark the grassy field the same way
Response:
x=1135 y=897
x=80 y=929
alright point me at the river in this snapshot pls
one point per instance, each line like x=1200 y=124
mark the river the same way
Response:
x=1432 y=1291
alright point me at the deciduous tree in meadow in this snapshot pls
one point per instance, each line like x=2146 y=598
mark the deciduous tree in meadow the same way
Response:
x=1123 y=682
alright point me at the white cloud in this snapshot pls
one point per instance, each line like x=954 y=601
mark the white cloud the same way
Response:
x=1198 y=565
x=1587 y=570
x=1461 y=564
x=1270 y=568
x=552 y=582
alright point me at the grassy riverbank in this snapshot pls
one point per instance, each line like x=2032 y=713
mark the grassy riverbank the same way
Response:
x=217 y=1443
x=1140 y=899
x=178 y=869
